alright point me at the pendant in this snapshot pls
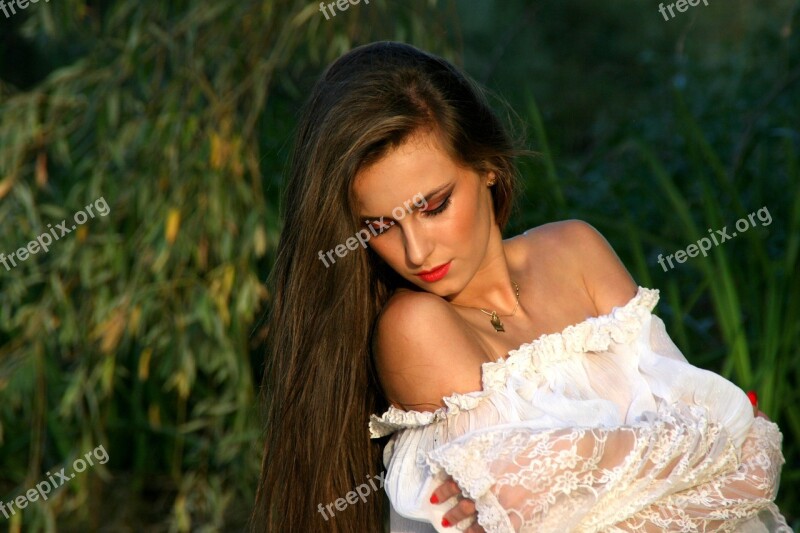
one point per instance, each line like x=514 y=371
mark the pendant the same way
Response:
x=497 y=323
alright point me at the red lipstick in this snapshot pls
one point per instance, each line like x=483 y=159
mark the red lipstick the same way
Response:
x=435 y=274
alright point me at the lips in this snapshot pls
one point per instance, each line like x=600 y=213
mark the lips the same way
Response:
x=434 y=274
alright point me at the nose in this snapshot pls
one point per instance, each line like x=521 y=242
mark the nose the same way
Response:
x=417 y=243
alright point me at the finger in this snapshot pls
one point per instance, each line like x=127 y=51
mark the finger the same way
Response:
x=445 y=491
x=475 y=528
x=753 y=397
x=463 y=509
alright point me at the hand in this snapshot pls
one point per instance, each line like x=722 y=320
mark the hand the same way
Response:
x=463 y=509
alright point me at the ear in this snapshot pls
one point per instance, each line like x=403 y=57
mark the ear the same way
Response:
x=491 y=178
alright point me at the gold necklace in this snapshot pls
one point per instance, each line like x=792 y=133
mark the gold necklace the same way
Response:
x=495 y=318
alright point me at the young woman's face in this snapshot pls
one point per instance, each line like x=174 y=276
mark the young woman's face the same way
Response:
x=447 y=234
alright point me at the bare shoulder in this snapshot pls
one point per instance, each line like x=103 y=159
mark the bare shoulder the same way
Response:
x=424 y=351
x=575 y=248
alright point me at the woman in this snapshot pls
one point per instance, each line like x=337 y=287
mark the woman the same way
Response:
x=598 y=424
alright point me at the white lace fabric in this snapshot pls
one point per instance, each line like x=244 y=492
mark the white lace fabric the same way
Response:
x=602 y=427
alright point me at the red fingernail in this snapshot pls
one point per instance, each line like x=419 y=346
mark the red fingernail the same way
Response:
x=445 y=522
x=434 y=498
x=753 y=397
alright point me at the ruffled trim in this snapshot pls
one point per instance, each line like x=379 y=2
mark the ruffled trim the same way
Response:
x=595 y=334
x=395 y=419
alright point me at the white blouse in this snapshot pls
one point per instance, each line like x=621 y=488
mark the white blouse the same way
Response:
x=604 y=426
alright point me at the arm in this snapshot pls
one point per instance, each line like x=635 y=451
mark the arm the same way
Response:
x=727 y=500
x=527 y=479
x=676 y=473
x=414 y=371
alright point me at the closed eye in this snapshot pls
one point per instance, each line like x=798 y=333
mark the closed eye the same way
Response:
x=383 y=227
x=437 y=210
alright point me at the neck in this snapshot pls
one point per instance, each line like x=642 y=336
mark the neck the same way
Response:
x=490 y=288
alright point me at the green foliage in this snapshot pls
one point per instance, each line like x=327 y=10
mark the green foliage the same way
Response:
x=135 y=330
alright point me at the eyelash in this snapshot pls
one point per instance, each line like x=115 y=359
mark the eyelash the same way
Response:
x=433 y=212
x=438 y=210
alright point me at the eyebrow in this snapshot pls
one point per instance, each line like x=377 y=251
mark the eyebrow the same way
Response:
x=414 y=207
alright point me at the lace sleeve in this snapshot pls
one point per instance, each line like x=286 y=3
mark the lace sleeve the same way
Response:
x=631 y=478
x=728 y=501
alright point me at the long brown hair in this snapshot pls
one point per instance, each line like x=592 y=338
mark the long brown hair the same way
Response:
x=320 y=384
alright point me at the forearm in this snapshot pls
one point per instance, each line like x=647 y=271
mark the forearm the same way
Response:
x=589 y=478
x=728 y=499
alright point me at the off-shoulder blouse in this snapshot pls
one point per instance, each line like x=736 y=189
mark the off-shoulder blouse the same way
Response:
x=604 y=426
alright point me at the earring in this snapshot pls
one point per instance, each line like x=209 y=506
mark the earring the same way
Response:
x=490 y=182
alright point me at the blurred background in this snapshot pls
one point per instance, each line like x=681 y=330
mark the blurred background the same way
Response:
x=142 y=331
